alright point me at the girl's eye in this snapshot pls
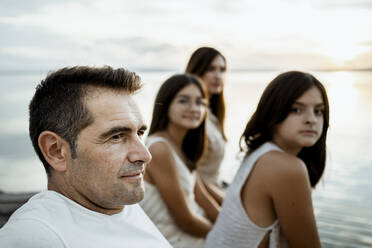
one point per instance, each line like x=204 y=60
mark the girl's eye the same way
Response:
x=140 y=133
x=296 y=110
x=319 y=111
x=183 y=101
x=210 y=68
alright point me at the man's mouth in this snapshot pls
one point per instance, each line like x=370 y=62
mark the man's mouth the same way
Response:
x=134 y=175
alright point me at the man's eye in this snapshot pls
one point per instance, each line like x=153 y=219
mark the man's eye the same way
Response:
x=117 y=137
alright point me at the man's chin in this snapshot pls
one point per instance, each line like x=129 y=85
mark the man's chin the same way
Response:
x=135 y=196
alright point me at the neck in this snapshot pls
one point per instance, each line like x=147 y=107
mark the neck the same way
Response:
x=72 y=194
x=176 y=134
x=294 y=150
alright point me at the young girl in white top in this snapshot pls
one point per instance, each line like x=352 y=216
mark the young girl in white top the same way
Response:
x=269 y=202
x=210 y=65
x=176 y=141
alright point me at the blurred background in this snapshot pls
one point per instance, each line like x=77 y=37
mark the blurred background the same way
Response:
x=332 y=39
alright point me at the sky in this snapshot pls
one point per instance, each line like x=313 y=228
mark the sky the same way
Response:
x=162 y=34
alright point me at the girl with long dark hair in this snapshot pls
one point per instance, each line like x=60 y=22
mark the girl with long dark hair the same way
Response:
x=269 y=202
x=210 y=65
x=175 y=199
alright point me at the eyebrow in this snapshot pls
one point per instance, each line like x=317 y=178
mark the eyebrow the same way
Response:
x=187 y=96
x=303 y=104
x=119 y=129
x=216 y=66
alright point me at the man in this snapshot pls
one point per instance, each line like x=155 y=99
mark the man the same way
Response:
x=87 y=131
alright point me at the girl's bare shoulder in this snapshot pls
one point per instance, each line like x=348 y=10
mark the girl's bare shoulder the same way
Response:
x=161 y=152
x=279 y=166
x=159 y=145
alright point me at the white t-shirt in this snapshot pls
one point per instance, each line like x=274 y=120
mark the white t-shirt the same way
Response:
x=49 y=219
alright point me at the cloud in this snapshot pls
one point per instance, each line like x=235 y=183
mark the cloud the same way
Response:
x=280 y=61
x=363 y=61
x=15 y=8
x=162 y=34
x=367 y=43
x=347 y=4
x=21 y=146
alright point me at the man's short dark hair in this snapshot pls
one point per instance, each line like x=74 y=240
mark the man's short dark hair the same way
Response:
x=58 y=104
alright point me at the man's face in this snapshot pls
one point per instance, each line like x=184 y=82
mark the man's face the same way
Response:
x=111 y=156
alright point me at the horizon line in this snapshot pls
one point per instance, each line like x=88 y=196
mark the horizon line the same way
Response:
x=35 y=71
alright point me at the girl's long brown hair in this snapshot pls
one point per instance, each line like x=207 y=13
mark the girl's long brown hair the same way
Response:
x=198 y=64
x=274 y=106
x=194 y=143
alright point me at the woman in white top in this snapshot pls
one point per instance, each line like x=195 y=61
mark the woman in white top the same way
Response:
x=269 y=202
x=210 y=65
x=176 y=141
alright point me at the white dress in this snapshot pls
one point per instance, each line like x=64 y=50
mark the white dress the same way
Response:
x=210 y=163
x=155 y=207
x=234 y=228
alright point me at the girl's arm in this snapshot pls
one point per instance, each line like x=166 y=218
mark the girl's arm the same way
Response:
x=215 y=192
x=289 y=187
x=206 y=200
x=164 y=175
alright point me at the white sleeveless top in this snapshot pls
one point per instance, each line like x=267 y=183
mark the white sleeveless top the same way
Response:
x=157 y=210
x=234 y=228
x=210 y=163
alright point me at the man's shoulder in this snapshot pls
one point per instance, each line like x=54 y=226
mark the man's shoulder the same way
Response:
x=28 y=231
x=43 y=209
x=31 y=228
x=39 y=205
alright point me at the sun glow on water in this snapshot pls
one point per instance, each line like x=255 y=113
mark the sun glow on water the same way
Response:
x=343 y=101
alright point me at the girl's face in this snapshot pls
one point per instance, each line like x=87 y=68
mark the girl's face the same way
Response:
x=214 y=77
x=304 y=124
x=188 y=108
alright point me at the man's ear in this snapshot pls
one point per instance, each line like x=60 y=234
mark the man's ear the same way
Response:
x=55 y=149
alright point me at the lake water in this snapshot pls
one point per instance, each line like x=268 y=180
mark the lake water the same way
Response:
x=342 y=201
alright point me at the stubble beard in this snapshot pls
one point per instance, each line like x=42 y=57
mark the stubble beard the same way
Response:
x=133 y=194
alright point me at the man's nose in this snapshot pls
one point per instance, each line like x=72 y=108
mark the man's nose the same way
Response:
x=139 y=152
